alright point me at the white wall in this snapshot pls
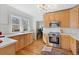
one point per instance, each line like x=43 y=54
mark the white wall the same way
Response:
x=5 y=12
x=30 y=9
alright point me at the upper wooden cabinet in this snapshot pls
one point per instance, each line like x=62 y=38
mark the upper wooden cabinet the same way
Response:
x=74 y=17
x=46 y=20
x=61 y=16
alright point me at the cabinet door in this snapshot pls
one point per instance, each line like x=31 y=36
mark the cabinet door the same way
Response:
x=22 y=41
x=63 y=18
x=52 y=17
x=73 y=45
x=17 y=43
x=28 y=39
x=74 y=17
x=8 y=50
x=65 y=42
x=77 y=47
x=46 y=20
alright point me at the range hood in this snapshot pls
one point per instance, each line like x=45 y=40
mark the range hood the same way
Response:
x=54 y=24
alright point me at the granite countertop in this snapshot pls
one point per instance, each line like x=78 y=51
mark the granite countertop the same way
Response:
x=75 y=36
x=48 y=30
x=16 y=33
x=73 y=32
x=6 y=42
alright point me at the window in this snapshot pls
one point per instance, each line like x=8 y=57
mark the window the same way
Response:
x=19 y=24
x=15 y=23
x=25 y=24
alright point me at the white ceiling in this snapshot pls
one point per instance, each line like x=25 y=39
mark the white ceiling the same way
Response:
x=33 y=10
x=56 y=7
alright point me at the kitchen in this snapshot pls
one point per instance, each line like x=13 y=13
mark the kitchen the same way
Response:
x=18 y=27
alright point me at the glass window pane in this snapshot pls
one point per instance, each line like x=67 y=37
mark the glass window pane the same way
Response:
x=25 y=24
x=15 y=28
x=15 y=20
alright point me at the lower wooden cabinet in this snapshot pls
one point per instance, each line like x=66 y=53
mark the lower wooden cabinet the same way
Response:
x=77 y=47
x=28 y=39
x=73 y=45
x=69 y=43
x=65 y=42
x=8 y=50
x=17 y=43
x=23 y=40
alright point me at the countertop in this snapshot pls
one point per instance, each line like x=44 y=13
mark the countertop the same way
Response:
x=74 y=33
x=48 y=30
x=75 y=36
x=16 y=33
x=6 y=42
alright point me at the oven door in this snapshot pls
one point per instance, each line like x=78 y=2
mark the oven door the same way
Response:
x=54 y=39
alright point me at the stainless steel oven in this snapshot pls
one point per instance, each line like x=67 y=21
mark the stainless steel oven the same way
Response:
x=54 y=38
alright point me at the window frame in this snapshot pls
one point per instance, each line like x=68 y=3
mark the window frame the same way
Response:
x=21 y=26
x=27 y=24
x=11 y=23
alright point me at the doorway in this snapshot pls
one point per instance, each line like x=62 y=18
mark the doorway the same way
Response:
x=39 y=30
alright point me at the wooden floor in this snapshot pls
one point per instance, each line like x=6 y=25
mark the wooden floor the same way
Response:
x=33 y=49
x=36 y=47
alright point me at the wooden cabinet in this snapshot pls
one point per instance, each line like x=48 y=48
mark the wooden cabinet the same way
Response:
x=77 y=47
x=8 y=50
x=65 y=42
x=69 y=43
x=74 y=17
x=18 y=42
x=28 y=39
x=23 y=40
x=46 y=20
x=73 y=45
x=61 y=16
